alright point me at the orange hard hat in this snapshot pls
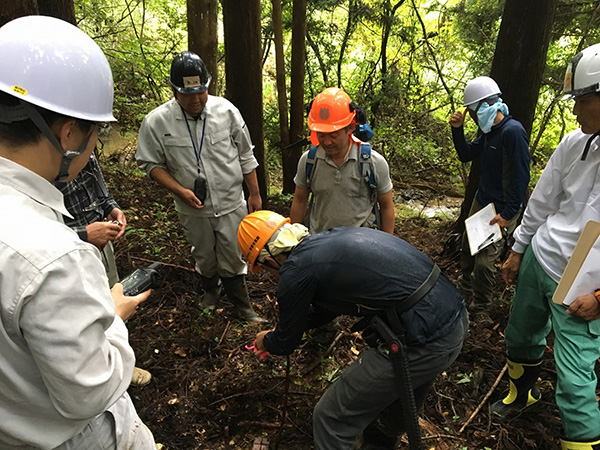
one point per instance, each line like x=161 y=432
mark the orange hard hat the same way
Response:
x=330 y=111
x=255 y=231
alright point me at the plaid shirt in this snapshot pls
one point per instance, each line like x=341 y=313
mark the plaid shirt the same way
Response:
x=86 y=198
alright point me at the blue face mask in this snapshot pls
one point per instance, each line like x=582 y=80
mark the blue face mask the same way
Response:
x=486 y=114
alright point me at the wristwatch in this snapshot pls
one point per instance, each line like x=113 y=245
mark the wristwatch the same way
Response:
x=597 y=295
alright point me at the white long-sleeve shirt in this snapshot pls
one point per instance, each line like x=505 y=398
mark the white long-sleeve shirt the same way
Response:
x=565 y=198
x=64 y=355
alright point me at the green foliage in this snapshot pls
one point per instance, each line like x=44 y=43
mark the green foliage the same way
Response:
x=409 y=83
x=477 y=23
x=139 y=39
x=464 y=378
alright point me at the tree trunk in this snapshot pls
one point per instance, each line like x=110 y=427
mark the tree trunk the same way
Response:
x=291 y=157
x=11 y=9
x=520 y=56
x=61 y=9
x=284 y=128
x=386 y=28
x=202 y=35
x=518 y=67
x=243 y=72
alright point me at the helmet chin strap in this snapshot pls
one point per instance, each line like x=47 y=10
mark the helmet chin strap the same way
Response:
x=67 y=156
x=24 y=111
x=588 y=144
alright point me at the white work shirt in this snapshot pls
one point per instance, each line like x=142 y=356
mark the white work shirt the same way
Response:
x=226 y=152
x=565 y=198
x=64 y=355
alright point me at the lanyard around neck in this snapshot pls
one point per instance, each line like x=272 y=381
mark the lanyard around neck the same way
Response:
x=198 y=151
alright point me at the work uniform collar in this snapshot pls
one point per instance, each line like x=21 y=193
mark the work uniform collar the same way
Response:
x=32 y=185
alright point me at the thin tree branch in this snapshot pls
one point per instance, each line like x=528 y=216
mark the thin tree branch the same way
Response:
x=430 y=48
x=349 y=26
x=489 y=393
x=315 y=48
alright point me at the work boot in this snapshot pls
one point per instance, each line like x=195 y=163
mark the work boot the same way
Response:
x=594 y=444
x=140 y=377
x=237 y=293
x=212 y=292
x=522 y=389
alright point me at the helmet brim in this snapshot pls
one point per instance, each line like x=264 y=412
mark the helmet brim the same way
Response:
x=594 y=89
x=252 y=237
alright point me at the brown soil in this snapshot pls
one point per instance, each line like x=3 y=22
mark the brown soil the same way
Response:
x=209 y=392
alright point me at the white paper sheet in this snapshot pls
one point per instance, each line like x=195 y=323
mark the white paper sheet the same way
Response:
x=480 y=232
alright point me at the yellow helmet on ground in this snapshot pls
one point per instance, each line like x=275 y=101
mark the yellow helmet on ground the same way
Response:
x=255 y=231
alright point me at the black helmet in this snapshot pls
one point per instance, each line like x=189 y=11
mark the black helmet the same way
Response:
x=189 y=74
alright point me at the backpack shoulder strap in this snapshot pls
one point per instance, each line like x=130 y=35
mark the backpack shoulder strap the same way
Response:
x=310 y=163
x=366 y=166
x=368 y=173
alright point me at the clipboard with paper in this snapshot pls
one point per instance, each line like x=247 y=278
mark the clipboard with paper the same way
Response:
x=479 y=231
x=581 y=274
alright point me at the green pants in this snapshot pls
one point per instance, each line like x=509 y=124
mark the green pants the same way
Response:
x=576 y=347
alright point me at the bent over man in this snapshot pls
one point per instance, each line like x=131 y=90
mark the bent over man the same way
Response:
x=65 y=361
x=365 y=273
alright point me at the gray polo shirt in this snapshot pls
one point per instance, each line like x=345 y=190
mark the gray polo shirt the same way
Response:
x=341 y=196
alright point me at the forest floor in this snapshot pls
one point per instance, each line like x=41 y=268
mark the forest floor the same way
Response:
x=209 y=393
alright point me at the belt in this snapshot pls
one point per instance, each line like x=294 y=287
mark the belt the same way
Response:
x=403 y=305
x=420 y=292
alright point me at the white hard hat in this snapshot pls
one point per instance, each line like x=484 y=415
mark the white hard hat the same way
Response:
x=583 y=73
x=52 y=64
x=480 y=88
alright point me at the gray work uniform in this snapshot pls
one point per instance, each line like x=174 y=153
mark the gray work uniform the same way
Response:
x=222 y=153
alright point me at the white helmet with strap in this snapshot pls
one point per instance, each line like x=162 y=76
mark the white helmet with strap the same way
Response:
x=50 y=63
x=583 y=73
x=479 y=89
x=583 y=78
